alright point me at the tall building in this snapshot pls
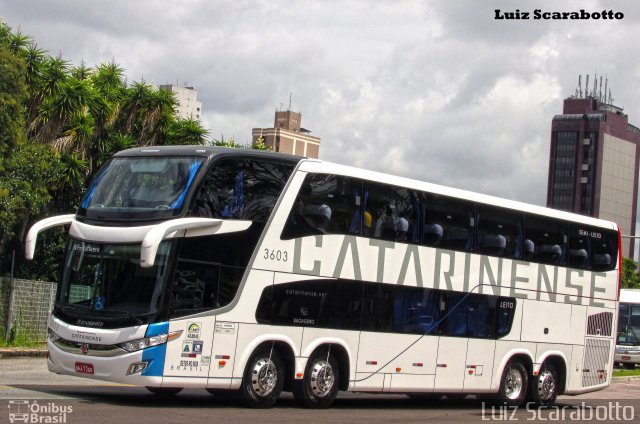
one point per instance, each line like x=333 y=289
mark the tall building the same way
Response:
x=594 y=161
x=287 y=136
x=188 y=105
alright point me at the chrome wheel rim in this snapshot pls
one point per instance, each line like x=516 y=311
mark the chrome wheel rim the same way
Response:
x=264 y=377
x=546 y=385
x=513 y=384
x=322 y=378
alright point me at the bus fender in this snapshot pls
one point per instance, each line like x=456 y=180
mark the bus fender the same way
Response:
x=497 y=372
x=301 y=361
x=538 y=364
x=241 y=363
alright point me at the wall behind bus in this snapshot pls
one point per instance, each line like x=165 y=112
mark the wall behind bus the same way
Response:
x=31 y=303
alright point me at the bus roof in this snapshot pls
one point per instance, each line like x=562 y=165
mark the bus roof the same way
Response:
x=630 y=296
x=208 y=151
x=314 y=165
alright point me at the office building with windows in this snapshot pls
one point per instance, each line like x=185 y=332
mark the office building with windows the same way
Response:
x=594 y=162
x=189 y=107
x=287 y=136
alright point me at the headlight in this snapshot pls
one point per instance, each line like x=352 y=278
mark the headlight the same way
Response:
x=135 y=345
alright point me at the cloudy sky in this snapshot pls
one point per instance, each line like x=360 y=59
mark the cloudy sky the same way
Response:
x=436 y=90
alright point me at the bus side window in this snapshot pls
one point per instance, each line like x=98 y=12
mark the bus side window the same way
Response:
x=241 y=189
x=448 y=223
x=604 y=250
x=579 y=249
x=326 y=204
x=377 y=311
x=391 y=213
x=505 y=310
x=416 y=310
x=499 y=232
x=548 y=240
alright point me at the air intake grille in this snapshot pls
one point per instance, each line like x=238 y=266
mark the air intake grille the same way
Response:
x=596 y=362
x=600 y=324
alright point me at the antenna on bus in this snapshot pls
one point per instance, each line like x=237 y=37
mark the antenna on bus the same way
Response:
x=290 y=94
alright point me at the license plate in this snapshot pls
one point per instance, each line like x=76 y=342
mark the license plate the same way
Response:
x=626 y=358
x=84 y=368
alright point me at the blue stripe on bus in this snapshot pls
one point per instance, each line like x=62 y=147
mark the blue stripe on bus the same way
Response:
x=155 y=355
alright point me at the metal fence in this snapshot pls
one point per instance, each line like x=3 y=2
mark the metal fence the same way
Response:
x=25 y=306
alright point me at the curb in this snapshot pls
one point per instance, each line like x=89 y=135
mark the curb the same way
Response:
x=625 y=379
x=22 y=353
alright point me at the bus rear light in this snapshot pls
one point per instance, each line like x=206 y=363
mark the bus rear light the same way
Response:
x=223 y=357
x=299 y=376
x=619 y=261
x=398 y=369
x=418 y=364
x=222 y=363
x=372 y=362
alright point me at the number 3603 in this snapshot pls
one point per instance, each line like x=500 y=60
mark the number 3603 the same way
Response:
x=276 y=255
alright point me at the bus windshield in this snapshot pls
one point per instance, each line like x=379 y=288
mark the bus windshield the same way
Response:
x=629 y=324
x=107 y=281
x=140 y=187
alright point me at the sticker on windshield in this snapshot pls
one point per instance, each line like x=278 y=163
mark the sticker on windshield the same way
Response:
x=99 y=304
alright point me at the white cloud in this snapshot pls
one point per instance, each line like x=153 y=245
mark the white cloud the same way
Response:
x=436 y=90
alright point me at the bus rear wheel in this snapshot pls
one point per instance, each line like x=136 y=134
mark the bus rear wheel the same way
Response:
x=263 y=378
x=319 y=387
x=545 y=386
x=513 y=385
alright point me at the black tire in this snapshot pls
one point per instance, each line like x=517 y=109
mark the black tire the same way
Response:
x=319 y=387
x=164 y=391
x=545 y=386
x=629 y=365
x=513 y=384
x=263 y=378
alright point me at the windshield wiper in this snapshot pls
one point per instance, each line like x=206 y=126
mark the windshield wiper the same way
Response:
x=129 y=314
x=122 y=311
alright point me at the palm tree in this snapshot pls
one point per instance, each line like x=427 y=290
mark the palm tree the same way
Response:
x=17 y=42
x=158 y=111
x=74 y=97
x=132 y=105
x=73 y=171
x=53 y=75
x=186 y=131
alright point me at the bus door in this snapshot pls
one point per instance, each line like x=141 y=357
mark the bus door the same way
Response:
x=467 y=349
x=405 y=360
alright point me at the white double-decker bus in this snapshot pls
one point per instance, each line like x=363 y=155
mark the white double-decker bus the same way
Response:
x=249 y=273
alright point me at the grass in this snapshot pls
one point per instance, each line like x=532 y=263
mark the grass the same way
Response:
x=21 y=340
x=623 y=372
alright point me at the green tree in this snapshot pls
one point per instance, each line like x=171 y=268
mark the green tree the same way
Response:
x=186 y=131
x=13 y=91
x=24 y=191
x=260 y=145
x=630 y=277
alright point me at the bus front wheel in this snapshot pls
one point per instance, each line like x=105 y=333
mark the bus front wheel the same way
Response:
x=513 y=385
x=263 y=378
x=319 y=387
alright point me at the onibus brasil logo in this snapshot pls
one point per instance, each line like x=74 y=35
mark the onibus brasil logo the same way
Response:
x=24 y=411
